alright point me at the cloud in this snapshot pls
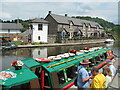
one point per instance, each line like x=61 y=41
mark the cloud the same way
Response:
x=26 y=10
x=107 y=11
x=60 y=1
x=5 y=15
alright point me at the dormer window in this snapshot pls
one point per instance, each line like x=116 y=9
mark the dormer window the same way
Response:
x=84 y=26
x=97 y=27
x=40 y=26
x=88 y=26
x=70 y=23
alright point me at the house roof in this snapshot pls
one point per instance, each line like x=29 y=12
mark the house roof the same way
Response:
x=39 y=20
x=12 y=26
x=27 y=32
x=66 y=20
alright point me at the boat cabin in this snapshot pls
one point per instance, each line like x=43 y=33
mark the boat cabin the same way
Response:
x=56 y=73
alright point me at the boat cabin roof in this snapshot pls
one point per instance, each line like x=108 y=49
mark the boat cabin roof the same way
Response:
x=21 y=76
x=55 y=66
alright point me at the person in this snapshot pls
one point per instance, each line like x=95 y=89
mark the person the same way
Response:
x=99 y=79
x=112 y=68
x=108 y=74
x=83 y=76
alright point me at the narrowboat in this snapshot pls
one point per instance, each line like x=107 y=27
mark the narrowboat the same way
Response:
x=50 y=73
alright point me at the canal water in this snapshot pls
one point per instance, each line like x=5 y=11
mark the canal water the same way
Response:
x=43 y=52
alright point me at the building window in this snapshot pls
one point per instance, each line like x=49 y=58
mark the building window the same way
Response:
x=38 y=37
x=8 y=30
x=38 y=52
x=40 y=26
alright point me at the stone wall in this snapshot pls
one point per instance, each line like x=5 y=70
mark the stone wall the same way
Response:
x=84 y=41
x=52 y=39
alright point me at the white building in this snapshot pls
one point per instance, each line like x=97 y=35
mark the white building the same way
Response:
x=10 y=28
x=39 y=30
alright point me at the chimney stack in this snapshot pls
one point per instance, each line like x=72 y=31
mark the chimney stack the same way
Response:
x=65 y=15
x=49 y=12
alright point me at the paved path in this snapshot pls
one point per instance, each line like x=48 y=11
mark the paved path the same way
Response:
x=115 y=83
x=63 y=44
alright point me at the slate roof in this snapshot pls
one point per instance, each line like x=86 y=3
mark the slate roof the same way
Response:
x=66 y=20
x=39 y=20
x=12 y=26
x=27 y=32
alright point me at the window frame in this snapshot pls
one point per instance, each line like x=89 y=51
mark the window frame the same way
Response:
x=40 y=27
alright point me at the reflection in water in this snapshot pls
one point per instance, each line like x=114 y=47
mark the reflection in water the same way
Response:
x=43 y=52
x=39 y=52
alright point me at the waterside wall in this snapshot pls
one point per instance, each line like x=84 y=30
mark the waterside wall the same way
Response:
x=67 y=43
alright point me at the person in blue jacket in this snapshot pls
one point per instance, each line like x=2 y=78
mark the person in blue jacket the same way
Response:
x=83 y=76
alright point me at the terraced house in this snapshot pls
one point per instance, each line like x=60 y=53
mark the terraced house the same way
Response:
x=67 y=27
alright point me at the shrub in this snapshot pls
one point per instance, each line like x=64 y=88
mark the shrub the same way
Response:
x=18 y=43
x=36 y=43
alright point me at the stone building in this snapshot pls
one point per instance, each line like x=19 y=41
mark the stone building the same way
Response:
x=67 y=27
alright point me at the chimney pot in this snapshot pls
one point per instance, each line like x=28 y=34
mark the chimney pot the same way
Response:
x=49 y=12
x=66 y=15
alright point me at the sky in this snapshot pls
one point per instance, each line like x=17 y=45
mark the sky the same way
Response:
x=28 y=9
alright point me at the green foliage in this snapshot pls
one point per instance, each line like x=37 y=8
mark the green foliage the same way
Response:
x=36 y=43
x=117 y=36
x=25 y=25
x=18 y=43
x=116 y=28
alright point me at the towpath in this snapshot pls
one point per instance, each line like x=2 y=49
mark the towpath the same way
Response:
x=63 y=44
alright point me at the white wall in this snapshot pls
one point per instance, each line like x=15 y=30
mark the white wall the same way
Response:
x=42 y=33
x=11 y=31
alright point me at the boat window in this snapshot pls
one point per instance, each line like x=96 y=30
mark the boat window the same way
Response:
x=61 y=77
x=71 y=72
x=105 y=55
x=97 y=58
x=46 y=79
x=102 y=57
x=93 y=62
x=38 y=71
